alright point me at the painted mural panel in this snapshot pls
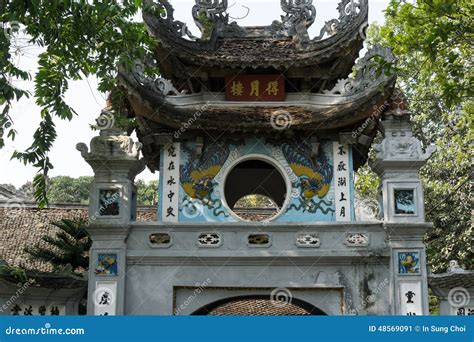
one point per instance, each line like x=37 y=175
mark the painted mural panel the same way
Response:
x=106 y=264
x=404 y=201
x=409 y=263
x=109 y=202
x=309 y=176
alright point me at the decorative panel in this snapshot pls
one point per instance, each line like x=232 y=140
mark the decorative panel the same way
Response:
x=308 y=240
x=162 y=240
x=258 y=240
x=209 y=240
x=357 y=239
x=318 y=179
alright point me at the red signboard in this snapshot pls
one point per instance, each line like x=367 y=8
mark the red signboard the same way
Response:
x=255 y=88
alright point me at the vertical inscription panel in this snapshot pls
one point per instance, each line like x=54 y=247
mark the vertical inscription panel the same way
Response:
x=170 y=174
x=411 y=298
x=105 y=298
x=342 y=175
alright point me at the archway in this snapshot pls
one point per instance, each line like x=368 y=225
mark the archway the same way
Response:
x=258 y=305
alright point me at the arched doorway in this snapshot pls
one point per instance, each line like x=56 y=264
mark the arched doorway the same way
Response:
x=258 y=305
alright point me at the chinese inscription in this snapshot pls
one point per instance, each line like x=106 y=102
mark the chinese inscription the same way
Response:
x=410 y=298
x=255 y=88
x=38 y=310
x=170 y=174
x=341 y=185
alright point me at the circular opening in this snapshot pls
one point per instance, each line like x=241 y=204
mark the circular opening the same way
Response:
x=255 y=190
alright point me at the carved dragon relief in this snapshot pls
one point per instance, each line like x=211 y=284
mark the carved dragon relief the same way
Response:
x=348 y=9
x=162 y=85
x=214 y=11
x=366 y=73
x=402 y=145
x=298 y=11
x=165 y=15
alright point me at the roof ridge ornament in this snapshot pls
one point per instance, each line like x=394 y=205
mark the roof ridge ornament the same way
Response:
x=298 y=11
x=454 y=267
x=365 y=74
x=162 y=85
x=300 y=15
x=213 y=11
x=165 y=15
x=348 y=9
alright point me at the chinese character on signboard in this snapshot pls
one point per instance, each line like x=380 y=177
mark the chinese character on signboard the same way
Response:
x=255 y=88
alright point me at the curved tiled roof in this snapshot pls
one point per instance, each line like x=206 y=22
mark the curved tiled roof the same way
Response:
x=258 y=307
x=23 y=226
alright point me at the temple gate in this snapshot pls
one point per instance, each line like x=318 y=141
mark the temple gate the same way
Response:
x=262 y=111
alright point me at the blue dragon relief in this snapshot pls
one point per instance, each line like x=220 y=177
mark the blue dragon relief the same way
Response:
x=197 y=177
x=314 y=176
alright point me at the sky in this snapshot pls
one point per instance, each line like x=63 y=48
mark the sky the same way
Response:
x=84 y=98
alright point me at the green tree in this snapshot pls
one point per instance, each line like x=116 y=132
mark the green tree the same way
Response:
x=27 y=189
x=80 y=38
x=64 y=189
x=69 y=248
x=432 y=40
x=147 y=193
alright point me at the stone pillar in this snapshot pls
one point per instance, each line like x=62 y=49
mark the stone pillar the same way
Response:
x=114 y=157
x=398 y=160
